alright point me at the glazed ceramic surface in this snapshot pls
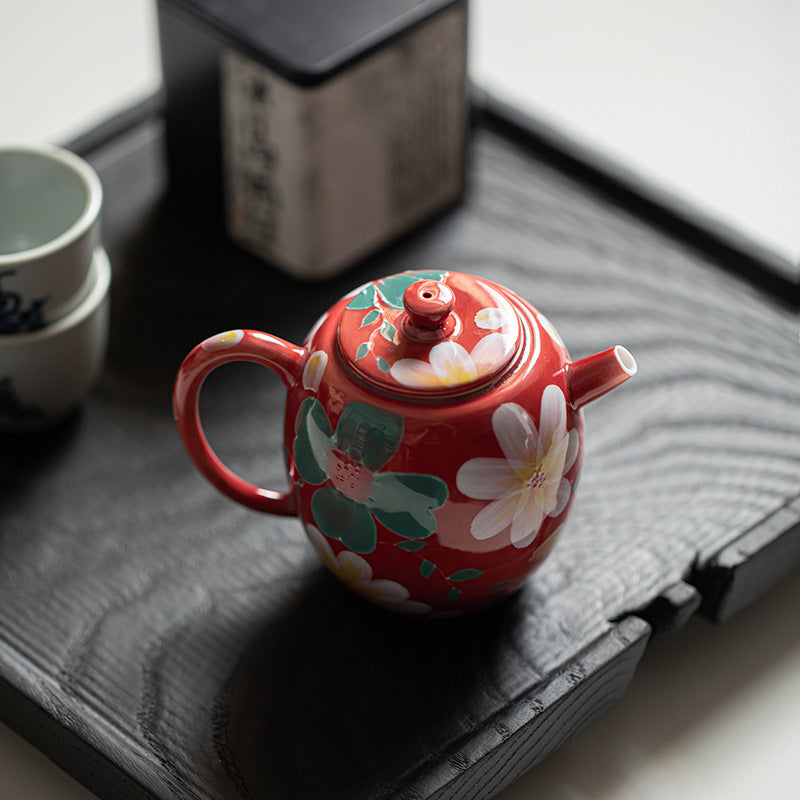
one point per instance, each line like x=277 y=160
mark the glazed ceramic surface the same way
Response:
x=45 y=373
x=433 y=436
x=50 y=203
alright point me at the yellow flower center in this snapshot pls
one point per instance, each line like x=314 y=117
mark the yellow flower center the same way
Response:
x=315 y=364
x=457 y=373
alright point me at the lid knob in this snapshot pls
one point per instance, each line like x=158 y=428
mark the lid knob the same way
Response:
x=428 y=305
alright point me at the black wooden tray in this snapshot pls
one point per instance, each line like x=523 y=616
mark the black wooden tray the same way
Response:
x=157 y=640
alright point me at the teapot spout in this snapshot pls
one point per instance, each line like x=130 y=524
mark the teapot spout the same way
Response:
x=593 y=376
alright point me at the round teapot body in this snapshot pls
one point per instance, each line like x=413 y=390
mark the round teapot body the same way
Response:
x=432 y=504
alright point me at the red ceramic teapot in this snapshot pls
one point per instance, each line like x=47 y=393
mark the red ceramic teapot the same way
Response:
x=434 y=436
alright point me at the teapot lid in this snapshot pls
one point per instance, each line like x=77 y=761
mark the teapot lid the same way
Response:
x=429 y=332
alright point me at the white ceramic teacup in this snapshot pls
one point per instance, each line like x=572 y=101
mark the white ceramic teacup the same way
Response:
x=50 y=203
x=45 y=373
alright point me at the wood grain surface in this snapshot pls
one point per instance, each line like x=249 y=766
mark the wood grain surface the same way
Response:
x=159 y=641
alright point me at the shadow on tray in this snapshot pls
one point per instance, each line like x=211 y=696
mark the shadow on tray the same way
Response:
x=334 y=696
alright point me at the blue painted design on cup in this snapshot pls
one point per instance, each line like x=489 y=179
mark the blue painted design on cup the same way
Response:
x=15 y=317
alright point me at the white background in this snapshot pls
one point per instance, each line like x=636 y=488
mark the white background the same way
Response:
x=701 y=97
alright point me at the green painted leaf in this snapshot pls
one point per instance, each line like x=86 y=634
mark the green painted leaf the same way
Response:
x=404 y=502
x=428 y=486
x=369 y=434
x=498 y=587
x=426 y=569
x=383 y=364
x=453 y=595
x=410 y=546
x=313 y=441
x=428 y=274
x=341 y=518
x=363 y=349
x=465 y=575
x=370 y=317
x=391 y=289
x=404 y=524
x=388 y=331
x=364 y=299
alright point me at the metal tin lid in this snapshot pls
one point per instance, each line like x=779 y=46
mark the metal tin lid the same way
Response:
x=307 y=42
x=429 y=333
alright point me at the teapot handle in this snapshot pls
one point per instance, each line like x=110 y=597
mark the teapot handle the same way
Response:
x=241 y=345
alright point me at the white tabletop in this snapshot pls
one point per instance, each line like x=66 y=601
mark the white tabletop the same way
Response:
x=713 y=711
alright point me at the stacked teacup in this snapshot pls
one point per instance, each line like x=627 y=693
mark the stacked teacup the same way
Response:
x=54 y=282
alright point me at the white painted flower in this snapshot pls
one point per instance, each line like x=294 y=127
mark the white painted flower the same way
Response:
x=549 y=327
x=529 y=483
x=542 y=551
x=491 y=319
x=352 y=570
x=222 y=341
x=314 y=370
x=450 y=364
